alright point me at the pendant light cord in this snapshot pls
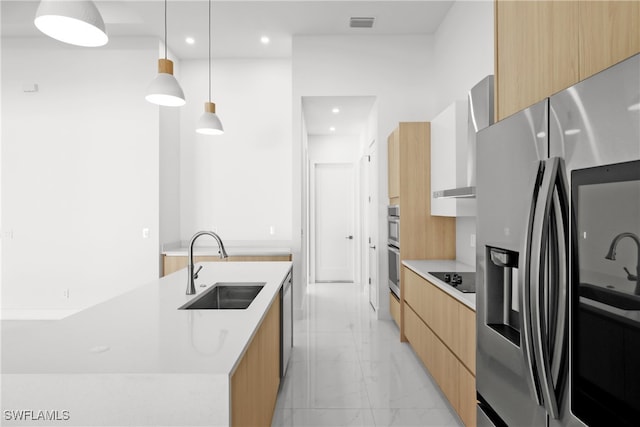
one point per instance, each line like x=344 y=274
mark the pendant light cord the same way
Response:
x=209 y=50
x=165 y=29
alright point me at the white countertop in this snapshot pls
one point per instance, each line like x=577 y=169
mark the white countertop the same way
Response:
x=423 y=267
x=139 y=351
x=231 y=251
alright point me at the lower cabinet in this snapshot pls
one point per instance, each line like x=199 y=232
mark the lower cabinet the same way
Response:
x=173 y=263
x=441 y=331
x=394 y=308
x=255 y=382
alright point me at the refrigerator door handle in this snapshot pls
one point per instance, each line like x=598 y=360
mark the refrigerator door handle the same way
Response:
x=525 y=293
x=560 y=315
x=538 y=281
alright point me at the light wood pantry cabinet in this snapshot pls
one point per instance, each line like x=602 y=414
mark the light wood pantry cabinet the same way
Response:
x=255 y=381
x=441 y=330
x=543 y=47
x=422 y=236
x=173 y=263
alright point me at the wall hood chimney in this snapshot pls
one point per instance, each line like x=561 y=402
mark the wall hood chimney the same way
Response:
x=480 y=108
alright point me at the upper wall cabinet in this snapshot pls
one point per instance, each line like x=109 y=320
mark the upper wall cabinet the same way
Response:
x=449 y=131
x=609 y=33
x=543 y=47
x=536 y=52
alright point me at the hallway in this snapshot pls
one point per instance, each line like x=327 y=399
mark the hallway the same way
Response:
x=349 y=369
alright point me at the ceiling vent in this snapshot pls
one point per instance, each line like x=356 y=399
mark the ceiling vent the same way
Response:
x=361 y=22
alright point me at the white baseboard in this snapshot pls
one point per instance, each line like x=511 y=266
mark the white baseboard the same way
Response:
x=13 y=314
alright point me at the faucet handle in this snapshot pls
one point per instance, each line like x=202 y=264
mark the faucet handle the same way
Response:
x=629 y=275
x=195 y=275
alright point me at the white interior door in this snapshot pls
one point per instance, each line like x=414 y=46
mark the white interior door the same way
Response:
x=372 y=215
x=333 y=222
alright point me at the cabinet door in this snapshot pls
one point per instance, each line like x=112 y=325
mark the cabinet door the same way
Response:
x=536 y=51
x=609 y=33
x=394 y=308
x=467 y=339
x=443 y=316
x=393 y=159
x=416 y=294
x=467 y=397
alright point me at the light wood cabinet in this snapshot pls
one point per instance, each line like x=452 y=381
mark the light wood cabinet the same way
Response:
x=394 y=308
x=441 y=330
x=536 y=51
x=543 y=47
x=255 y=381
x=422 y=236
x=609 y=33
x=173 y=263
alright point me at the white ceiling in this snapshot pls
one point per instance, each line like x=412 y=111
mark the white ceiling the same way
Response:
x=238 y=25
x=351 y=120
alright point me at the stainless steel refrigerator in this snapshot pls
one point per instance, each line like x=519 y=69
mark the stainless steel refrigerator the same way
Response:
x=558 y=293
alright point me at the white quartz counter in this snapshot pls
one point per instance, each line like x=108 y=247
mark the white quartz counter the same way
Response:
x=231 y=251
x=136 y=359
x=423 y=267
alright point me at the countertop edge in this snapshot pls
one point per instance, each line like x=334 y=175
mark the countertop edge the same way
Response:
x=422 y=268
x=231 y=251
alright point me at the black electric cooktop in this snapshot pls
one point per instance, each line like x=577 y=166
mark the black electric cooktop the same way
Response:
x=464 y=282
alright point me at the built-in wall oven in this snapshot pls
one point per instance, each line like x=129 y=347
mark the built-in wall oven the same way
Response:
x=393 y=228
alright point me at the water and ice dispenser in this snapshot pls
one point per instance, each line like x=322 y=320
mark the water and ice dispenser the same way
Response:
x=503 y=300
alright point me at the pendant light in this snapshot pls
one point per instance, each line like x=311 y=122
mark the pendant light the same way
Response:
x=165 y=89
x=75 y=22
x=209 y=123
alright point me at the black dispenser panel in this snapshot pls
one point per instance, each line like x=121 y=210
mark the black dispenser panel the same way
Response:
x=503 y=297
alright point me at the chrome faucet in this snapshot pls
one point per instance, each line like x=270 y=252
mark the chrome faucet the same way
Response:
x=611 y=255
x=191 y=286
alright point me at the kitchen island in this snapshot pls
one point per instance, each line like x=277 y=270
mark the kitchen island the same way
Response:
x=137 y=359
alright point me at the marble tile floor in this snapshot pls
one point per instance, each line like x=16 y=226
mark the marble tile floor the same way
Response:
x=349 y=369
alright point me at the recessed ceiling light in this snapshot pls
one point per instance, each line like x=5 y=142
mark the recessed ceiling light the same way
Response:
x=190 y=40
x=336 y=110
x=332 y=129
x=264 y=40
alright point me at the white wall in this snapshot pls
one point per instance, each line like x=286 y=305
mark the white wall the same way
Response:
x=169 y=194
x=238 y=183
x=464 y=55
x=334 y=148
x=79 y=173
x=397 y=70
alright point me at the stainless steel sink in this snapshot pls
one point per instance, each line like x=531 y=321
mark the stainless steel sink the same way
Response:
x=610 y=297
x=226 y=296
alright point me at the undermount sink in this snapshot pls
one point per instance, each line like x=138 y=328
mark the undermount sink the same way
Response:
x=226 y=296
x=610 y=297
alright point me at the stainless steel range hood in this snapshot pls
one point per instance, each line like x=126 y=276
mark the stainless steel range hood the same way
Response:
x=480 y=106
x=462 y=192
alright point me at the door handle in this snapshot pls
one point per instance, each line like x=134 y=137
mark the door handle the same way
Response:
x=539 y=283
x=349 y=237
x=372 y=247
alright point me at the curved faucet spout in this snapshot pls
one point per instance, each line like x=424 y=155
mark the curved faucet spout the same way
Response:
x=611 y=255
x=191 y=286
